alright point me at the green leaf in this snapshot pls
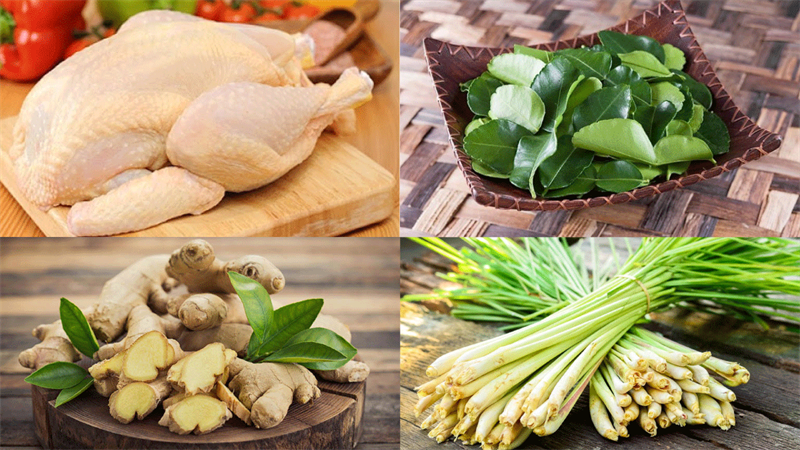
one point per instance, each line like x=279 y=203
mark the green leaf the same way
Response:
x=673 y=57
x=621 y=138
x=608 y=103
x=645 y=64
x=303 y=353
x=699 y=91
x=475 y=124
x=480 y=93
x=582 y=90
x=77 y=328
x=649 y=172
x=554 y=84
x=287 y=322
x=685 y=112
x=677 y=148
x=531 y=152
x=515 y=68
x=666 y=91
x=585 y=182
x=329 y=338
x=663 y=114
x=619 y=43
x=641 y=93
x=518 y=104
x=257 y=307
x=542 y=55
x=622 y=75
x=494 y=144
x=588 y=63
x=74 y=391
x=679 y=127
x=57 y=375
x=464 y=87
x=565 y=165
x=486 y=171
x=697 y=117
x=677 y=168
x=618 y=176
x=714 y=132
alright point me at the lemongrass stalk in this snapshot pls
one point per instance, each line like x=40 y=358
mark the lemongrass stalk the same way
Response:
x=494 y=436
x=641 y=397
x=460 y=408
x=566 y=382
x=648 y=425
x=699 y=374
x=653 y=410
x=430 y=386
x=613 y=379
x=674 y=389
x=720 y=392
x=544 y=387
x=604 y=392
x=710 y=408
x=670 y=356
x=677 y=372
x=446 y=424
x=691 y=402
x=468 y=390
x=727 y=412
x=513 y=410
x=663 y=419
x=468 y=436
x=670 y=415
x=510 y=434
x=464 y=423
x=627 y=374
x=622 y=400
x=538 y=416
x=691 y=386
x=446 y=406
x=622 y=430
x=657 y=380
x=676 y=409
x=656 y=362
x=488 y=447
x=551 y=426
x=446 y=362
x=599 y=415
x=740 y=377
x=425 y=402
x=722 y=367
x=694 y=418
x=631 y=412
x=490 y=416
x=659 y=396
x=429 y=421
x=649 y=377
x=694 y=357
x=521 y=437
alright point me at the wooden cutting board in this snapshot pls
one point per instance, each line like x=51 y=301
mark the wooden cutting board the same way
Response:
x=333 y=421
x=336 y=190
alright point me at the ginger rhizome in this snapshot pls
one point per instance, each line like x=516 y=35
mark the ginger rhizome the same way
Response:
x=196 y=414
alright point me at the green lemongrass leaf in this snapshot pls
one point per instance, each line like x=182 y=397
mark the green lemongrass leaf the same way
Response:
x=519 y=104
x=287 y=322
x=618 y=176
x=645 y=64
x=57 y=375
x=542 y=55
x=673 y=57
x=608 y=103
x=588 y=63
x=257 y=308
x=679 y=127
x=487 y=171
x=714 y=133
x=565 y=165
x=494 y=144
x=667 y=91
x=515 y=68
x=77 y=328
x=625 y=43
x=531 y=152
x=480 y=93
x=663 y=114
x=72 y=392
x=583 y=184
x=621 y=138
x=677 y=148
x=475 y=124
x=699 y=91
x=554 y=85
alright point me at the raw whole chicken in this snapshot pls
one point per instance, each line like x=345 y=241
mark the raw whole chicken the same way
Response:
x=161 y=119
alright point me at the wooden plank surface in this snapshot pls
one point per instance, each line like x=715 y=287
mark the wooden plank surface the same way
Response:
x=376 y=137
x=754 y=51
x=356 y=277
x=767 y=408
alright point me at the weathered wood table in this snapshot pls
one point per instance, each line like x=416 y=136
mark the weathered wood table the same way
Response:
x=767 y=408
x=356 y=277
x=754 y=46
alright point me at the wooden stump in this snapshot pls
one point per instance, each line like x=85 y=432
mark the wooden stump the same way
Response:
x=332 y=421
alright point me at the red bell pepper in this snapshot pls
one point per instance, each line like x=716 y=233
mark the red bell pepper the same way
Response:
x=43 y=30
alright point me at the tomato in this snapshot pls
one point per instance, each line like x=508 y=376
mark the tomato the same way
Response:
x=299 y=11
x=210 y=9
x=78 y=45
x=244 y=14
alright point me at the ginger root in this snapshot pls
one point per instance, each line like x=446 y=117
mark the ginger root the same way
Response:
x=267 y=389
x=199 y=372
x=55 y=346
x=195 y=413
x=199 y=311
x=141 y=320
x=233 y=403
x=195 y=265
x=352 y=372
x=234 y=336
x=137 y=400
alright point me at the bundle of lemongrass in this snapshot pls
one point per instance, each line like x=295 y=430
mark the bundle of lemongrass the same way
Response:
x=500 y=391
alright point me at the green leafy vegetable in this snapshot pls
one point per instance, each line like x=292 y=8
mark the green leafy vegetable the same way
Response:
x=618 y=176
x=582 y=90
x=663 y=114
x=645 y=64
x=542 y=55
x=608 y=103
x=486 y=171
x=57 y=375
x=588 y=63
x=530 y=154
x=674 y=57
x=515 y=68
x=666 y=91
x=584 y=183
x=679 y=127
x=565 y=165
x=697 y=117
x=714 y=133
x=495 y=144
x=77 y=328
x=619 y=43
x=72 y=392
x=677 y=168
x=554 y=85
x=480 y=93
x=677 y=148
x=700 y=92
x=621 y=138
x=475 y=124
x=518 y=104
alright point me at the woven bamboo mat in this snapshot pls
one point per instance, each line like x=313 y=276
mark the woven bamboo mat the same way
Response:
x=754 y=46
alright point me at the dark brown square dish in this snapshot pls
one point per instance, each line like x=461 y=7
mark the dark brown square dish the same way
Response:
x=451 y=64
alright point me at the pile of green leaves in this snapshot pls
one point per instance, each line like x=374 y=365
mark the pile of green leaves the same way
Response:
x=284 y=335
x=610 y=118
x=69 y=377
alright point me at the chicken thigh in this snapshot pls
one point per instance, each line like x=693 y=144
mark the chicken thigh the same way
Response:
x=101 y=130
